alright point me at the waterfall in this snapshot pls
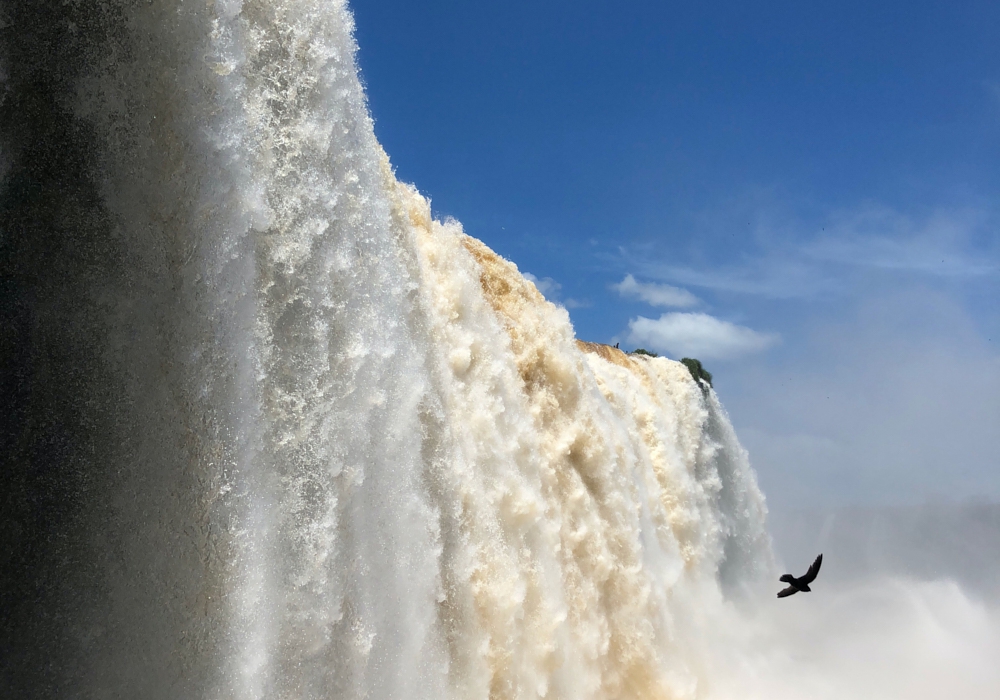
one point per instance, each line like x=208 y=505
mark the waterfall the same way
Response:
x=275 y=432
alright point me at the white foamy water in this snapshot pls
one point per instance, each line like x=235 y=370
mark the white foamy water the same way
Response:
x=349 y=452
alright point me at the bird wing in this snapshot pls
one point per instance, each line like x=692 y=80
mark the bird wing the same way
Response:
x=813 y=570
x=791 y=590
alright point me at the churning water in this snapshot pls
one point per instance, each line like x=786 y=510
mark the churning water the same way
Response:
x=271 y=431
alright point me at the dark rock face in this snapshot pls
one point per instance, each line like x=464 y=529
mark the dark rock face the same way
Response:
x=90 y=436
x=59 y=261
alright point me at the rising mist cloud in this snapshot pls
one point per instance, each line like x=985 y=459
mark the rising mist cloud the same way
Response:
x=894 y=401
x=697 y=335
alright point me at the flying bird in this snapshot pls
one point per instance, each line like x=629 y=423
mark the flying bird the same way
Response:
x=801 y=583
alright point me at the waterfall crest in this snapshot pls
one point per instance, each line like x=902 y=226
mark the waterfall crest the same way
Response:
x=278 y=433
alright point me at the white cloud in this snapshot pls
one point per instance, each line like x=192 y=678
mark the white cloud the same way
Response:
x=655 y=294
x=697 y=335
x=546 y=285
x=550 y=289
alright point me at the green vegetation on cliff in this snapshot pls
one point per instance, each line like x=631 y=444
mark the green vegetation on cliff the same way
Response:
x=697 y=370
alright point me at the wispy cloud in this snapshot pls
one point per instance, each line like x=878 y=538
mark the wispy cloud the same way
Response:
x=768 y=275
x=655 y=294
x=993 y=90
x=945 y=244
x=697 y=335
x=880 y=237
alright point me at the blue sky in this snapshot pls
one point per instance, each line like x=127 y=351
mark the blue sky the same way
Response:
x=803 y=195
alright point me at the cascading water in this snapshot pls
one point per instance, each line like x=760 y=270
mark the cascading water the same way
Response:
x=273 y=432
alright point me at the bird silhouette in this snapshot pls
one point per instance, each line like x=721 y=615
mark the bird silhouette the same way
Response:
x=801 y=583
